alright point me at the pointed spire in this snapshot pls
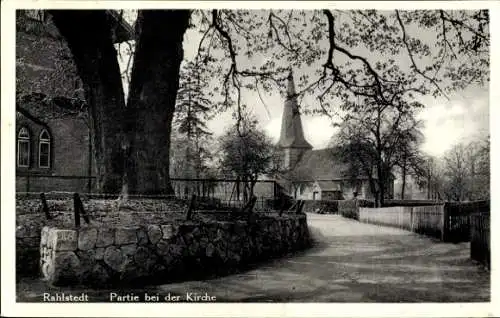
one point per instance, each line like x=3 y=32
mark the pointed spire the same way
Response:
x=292 y=135
x=290 y=92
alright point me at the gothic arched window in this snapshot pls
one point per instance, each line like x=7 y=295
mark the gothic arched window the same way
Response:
x=44 y=150
x=23 y=147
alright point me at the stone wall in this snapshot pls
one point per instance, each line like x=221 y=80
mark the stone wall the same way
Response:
x=104 y=256
x=28 y=229
x=30 y=221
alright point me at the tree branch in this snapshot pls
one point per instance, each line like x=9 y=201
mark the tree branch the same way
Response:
x=446 y=17
x=410 y=54
x=334 y=46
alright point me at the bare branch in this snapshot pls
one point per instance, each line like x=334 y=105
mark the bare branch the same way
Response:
x=410 y=54
x=333 y=46
x=445 y=39
x=287 y=33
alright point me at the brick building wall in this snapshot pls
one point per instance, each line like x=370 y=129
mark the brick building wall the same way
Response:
x=44 y=69
x=69 y=157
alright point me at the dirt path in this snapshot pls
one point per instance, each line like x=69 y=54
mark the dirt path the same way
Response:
x=352 y=262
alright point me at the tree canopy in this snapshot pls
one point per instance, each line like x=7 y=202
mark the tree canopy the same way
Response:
x=385 y=58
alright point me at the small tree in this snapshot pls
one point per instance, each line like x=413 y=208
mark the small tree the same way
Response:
x=193 y=109
x=247 y=153
x=374 y=138
x=466 y=171
x=408 y=156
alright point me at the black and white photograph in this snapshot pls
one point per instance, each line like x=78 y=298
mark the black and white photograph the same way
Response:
x=168 y=154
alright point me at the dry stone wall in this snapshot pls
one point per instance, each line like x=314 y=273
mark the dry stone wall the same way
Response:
x=30 y=220
x=105 y=256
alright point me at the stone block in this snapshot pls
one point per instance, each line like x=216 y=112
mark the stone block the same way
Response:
x=196 y=232
x=142 y=237
x=162 y=247
x=125 y=236
x=87 y=261
x=167 y=231
x=99 y=253
x=129 y=271
x=31 y=242
x=99 y=275
x=47 y=270
x=44 y=236
x=141 y=255
x=65 y=269
x=114 y=258
x=21 y=231
x=87 y=238
x=193 y=248
x=63 y=240
x=188 y=238
x=209 y=250
x=154 y=233
x=175 y=250
x=105 y=237
x=128 y=249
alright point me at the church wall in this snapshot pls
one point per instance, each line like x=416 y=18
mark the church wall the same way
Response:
x=306 y=192
x=69 y=157
x=295 y=154
x=292 y=155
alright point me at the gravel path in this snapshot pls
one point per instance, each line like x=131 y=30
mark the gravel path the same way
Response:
x=351 y=262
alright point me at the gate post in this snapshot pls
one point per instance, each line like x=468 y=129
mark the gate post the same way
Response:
x=445 y=233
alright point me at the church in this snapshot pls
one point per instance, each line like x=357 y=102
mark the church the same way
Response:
x=314 y=174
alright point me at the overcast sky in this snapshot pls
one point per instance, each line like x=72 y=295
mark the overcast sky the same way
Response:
x=464 y=116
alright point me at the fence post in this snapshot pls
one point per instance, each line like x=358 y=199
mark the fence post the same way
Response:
x=45 y=207
x=445 y=233
x=191 y=208
x=356 y=209
x=411 y=219
x=76 y=210
x=79 y=210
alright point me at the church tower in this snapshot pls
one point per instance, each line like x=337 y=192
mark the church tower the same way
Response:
x=292 y=140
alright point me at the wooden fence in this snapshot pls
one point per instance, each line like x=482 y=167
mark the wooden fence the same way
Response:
x=451 y=222
x=428 y=220
x=457 y=219
x=423 y=219
x=480 y=237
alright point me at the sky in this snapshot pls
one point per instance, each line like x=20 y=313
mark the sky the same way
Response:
x=464 y=116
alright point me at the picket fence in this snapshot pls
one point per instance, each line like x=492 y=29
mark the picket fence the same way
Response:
x=428 y=220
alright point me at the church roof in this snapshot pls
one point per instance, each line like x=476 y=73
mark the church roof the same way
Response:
x=292 y=134
x=321 y=165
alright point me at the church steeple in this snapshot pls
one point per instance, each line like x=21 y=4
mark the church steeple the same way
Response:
x=292 y=134
x=290 y=91
x=292 y=139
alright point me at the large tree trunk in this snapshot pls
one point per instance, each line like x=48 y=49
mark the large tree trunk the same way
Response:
x=151 y=104
x=88 y=35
